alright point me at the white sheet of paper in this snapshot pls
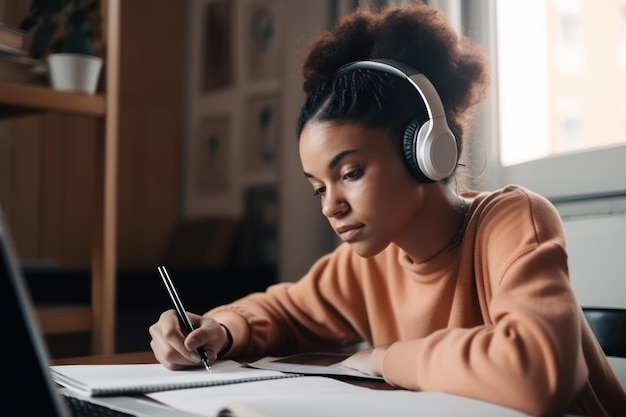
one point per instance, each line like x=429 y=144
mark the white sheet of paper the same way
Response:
x=315 y=396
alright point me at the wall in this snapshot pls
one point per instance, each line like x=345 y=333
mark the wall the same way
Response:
x=226 y=76
x=303 y=233
x=596 y=239
x=151 y=126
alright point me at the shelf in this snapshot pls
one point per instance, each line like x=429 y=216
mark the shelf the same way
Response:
x=18 y=98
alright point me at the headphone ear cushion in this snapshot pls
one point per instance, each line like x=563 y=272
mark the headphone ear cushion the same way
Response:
x=409 y=150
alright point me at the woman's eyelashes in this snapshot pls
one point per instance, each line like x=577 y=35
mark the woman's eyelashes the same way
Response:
x=351 y=175
x=318 y=191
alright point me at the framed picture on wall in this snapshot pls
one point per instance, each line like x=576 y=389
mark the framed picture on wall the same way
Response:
x=263 y=38
x=211 y=153
x=216 y=46
x=262 y=137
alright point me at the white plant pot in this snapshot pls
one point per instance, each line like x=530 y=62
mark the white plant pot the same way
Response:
x=74 y=72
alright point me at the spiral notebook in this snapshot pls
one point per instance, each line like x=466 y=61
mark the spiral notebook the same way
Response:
x=126 y=379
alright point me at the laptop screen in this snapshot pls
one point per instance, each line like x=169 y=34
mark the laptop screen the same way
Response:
x=29 y=388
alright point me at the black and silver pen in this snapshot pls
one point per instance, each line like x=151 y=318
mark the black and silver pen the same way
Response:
x=180 y=311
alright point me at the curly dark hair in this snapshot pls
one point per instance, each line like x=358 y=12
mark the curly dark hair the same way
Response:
x=416 y=35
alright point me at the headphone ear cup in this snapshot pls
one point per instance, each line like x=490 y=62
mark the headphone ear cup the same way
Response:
x=409 y=150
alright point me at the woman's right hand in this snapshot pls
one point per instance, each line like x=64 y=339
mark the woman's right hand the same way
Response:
x=175 y=349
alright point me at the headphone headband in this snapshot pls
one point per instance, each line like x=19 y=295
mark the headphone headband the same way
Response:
x=425 y=88
x=430 y=148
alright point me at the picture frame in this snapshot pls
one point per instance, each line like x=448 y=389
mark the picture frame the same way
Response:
x=262 y=138
x=216 y=46
x=232 y=102
x=211 y=152
x=263 y=39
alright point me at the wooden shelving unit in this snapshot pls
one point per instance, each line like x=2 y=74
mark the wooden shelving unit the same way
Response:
x=16 y=99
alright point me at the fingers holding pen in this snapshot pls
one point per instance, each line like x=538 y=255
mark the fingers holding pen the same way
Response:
x=208 y=336
x=176 y=349
x=168 y=342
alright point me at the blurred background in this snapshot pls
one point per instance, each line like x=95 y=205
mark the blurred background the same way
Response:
x=207 y=178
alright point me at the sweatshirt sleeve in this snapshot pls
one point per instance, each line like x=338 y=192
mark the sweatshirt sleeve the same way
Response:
x=528 y=353
x=321 y=311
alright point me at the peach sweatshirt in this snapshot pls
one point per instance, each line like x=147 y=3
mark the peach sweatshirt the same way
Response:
x=494 y=318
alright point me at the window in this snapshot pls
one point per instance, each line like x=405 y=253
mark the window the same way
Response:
x=569 y=53
x=568 y=137
x=557 y=116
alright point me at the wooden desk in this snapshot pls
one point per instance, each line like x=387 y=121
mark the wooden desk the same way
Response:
x=108 y=359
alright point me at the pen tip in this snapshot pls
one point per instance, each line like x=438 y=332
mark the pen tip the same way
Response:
x=207 y=366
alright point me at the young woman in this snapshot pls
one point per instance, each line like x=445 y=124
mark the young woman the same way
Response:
x=466 y=293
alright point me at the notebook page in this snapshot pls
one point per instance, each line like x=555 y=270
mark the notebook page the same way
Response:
x=120 y=379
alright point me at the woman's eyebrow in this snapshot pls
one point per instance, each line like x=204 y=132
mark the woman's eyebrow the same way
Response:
x=336 y=160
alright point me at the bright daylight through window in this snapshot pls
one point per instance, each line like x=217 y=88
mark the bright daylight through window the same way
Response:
x=561 y=77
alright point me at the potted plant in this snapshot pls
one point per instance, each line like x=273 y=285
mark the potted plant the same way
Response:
x=62 y=33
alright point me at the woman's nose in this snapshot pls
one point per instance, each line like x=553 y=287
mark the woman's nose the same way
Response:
x=333 y=205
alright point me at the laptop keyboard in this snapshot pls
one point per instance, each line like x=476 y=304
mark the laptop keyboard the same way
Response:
x=82 y=408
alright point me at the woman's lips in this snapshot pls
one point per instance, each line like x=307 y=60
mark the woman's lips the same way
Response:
x=348 y=233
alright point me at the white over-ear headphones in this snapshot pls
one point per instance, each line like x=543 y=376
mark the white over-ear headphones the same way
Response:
x=430 y=148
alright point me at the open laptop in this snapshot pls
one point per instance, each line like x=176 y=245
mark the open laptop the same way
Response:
x=29 y=386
